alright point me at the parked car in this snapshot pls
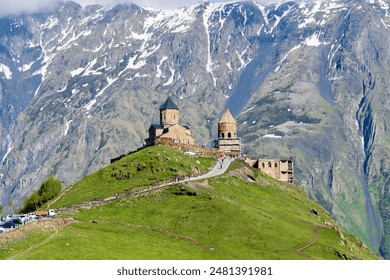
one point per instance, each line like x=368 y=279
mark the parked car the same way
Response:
x=31 y=217
x=8 y=224
x=23 y=218
x=17 y=221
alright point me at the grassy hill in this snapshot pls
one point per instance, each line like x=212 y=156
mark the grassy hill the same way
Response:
x=242 y=214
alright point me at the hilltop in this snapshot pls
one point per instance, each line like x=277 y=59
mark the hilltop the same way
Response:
x=241 y=214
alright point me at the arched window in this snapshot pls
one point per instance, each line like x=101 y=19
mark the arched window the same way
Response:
x=229 y=135
x=263 y=165
x=276 y=164
x=223 y=135
x=269 y=164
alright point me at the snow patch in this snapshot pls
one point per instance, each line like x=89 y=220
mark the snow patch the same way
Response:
x=88 y=107
x=332 y=54
x=263 y=12
x=242 y=61
x=206 y=16
x=76 y=72
x=171 y=78
x=94 y=72
x=251 y=108
x=313 y=40
x=278 y=19
x=91 y=103
x=67 y=127
x=176 y=21
x=50 y=23
x=26 y=67
x=110 y=81
x=138 y=75
x=285 y=57
x=6 y=71
x=159 y=72
x=384 y=23
x=9 y=148
x=319 y=12
x=132 y=64
x=272 y=136
x=63 y=89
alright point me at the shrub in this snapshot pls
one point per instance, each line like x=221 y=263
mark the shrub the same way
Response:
x=47 y=191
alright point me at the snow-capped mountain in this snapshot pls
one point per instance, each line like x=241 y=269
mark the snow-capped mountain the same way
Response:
x=307 y=79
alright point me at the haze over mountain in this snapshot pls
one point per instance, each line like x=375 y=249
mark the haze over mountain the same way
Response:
x=310 y=80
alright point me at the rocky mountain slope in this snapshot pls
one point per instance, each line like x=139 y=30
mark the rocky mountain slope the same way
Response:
x=309 y=80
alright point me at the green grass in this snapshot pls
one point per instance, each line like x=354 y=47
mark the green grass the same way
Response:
x=226 y=217
x=10 y=249
x=148 y=166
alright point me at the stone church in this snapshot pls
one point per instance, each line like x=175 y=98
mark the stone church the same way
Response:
x=169 y=129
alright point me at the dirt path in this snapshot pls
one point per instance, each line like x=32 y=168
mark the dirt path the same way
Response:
x=58 y=197
x=34 y=246
x=300 y=250
x=171 y=234
x=44 y=224
x=216 y=171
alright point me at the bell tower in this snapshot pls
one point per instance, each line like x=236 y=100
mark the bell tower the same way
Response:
x=228 y=141
x=227 y=126
x=169 y=113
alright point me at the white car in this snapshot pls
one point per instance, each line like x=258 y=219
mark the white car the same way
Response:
x=31 y=217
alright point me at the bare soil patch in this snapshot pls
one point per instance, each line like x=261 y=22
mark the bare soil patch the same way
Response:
x=44 y=224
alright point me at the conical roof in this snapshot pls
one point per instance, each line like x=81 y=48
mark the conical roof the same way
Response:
x=169 y=104
x=227 y=117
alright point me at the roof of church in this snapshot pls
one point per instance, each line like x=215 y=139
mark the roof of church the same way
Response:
x=169 y=104
x=157 y=126
x=227 y=117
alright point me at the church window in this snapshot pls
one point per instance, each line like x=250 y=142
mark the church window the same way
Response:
x=276 y=164
x=229 y=135
x=269 y=164
x=223 y=135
